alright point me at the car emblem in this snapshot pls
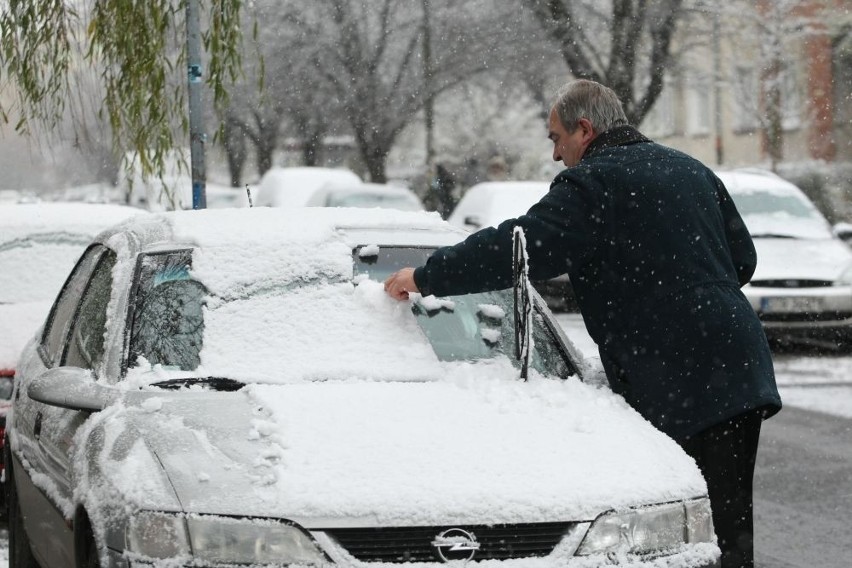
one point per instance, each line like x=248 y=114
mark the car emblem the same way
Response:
x=455 y=544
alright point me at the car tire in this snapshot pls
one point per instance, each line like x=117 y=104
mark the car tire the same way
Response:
x=20 y=552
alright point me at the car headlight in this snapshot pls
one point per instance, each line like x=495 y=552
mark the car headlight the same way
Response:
x=220 y=539
x=650 y=529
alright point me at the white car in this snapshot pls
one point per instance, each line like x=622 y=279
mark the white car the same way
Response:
x=490 y=203
x=294 y=187
x=387 y=196
x=39 y=244
x=802 y=287
x=238 y=389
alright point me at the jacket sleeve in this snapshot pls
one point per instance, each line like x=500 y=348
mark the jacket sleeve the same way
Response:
x=560 y=229
x=739 y=240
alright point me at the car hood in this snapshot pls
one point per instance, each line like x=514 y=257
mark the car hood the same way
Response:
x=794 y=258
x=18 y=323
x=382 y=453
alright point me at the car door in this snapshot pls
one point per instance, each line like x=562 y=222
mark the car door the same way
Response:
x=74 y=336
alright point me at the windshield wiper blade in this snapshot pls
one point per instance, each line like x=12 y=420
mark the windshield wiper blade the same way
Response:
x=213 y=383
x=772 y=236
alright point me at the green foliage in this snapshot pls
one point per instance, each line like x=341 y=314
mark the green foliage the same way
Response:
x=138 y=49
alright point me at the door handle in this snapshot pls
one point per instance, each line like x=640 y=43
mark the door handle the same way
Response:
x=37 y=426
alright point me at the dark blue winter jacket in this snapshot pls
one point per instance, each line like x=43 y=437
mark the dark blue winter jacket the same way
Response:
x=656 y=252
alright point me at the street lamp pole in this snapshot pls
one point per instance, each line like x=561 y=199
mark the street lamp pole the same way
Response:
x=196 y=115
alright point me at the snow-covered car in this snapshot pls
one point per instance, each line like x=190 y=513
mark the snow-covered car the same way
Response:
x=39 y=244
x=234 y=387
x=489 y=203
x=387 y=196
x=294 y=187
x=802 y=287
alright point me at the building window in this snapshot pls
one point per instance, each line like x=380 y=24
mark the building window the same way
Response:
x=791 y=101
x=699 y=111
x=746 y=99
x=660 y=120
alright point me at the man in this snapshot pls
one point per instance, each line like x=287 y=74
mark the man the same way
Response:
x=656 y=252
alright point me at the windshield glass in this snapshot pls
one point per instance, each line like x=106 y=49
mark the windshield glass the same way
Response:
x=34 y=268
x=773 y=203
x=319 y=329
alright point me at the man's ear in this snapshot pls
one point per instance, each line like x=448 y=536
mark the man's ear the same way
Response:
x=588 y=130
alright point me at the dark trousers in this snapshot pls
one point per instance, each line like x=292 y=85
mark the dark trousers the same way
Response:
x=726 y=454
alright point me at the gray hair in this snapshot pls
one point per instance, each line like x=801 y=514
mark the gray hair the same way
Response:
x=590 y=100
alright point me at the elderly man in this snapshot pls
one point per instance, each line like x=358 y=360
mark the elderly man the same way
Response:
x=656 y=252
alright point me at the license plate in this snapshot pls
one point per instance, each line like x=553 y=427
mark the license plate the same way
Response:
x=796 y=304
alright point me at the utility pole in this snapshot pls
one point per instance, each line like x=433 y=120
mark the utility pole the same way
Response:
x=717 y=91
x=196 y=114
x=429 y=107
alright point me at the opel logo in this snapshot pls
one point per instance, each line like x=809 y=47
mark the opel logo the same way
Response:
x=455 y=544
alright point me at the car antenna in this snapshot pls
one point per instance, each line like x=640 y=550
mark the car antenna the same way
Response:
x=248 y=192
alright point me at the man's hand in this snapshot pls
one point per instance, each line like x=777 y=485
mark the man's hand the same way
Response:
x=400 y=283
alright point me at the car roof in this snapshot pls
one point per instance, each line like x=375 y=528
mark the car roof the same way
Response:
x=750 y=180
x=275 y=228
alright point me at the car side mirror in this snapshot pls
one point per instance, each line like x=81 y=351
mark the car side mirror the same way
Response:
x=473 y=220
x=71 y=387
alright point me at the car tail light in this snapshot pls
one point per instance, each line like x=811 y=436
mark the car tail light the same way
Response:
x=7 y=372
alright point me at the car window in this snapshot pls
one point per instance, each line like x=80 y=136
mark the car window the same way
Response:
x=85 y=346
x=167 y=312
x=63 y=310
x=471 y=326
x=168 y=317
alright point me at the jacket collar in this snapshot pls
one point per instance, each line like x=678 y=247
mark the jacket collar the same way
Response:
x=616 y=136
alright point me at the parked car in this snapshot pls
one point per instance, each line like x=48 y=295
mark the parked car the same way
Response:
x=490 y=203
x=39 y=244
x=802 y=287
x=234 y=387
x=294 y=187
x=387 y=196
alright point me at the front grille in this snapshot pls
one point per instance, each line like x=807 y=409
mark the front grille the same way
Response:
x=414 y=544
x=791 y=283
x=805 y=317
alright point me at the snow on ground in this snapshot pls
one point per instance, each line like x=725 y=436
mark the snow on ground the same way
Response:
x=818 y=383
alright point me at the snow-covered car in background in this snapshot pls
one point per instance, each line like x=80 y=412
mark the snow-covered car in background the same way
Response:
x=294 y=187
x=234 y=387
x=489 y=203
x=802 y=287
x=39 y=244
x=386 y=196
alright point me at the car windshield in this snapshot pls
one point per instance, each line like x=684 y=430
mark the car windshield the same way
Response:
x=36 y=266
x=773 y=203
x=348 y=199
x=317 y=329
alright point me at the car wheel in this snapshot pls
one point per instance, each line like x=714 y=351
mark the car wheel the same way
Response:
x=20 y=553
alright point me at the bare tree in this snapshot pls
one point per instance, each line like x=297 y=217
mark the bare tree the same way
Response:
x=359 y=63
x=626 y=48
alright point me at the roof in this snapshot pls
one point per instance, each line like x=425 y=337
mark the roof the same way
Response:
x=277 y=228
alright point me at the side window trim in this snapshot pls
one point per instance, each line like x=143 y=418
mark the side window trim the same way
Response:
x=42 y=346
x=106 y=255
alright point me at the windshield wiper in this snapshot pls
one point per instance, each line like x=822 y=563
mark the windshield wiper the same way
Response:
x=213 y=383
x=772 y=236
